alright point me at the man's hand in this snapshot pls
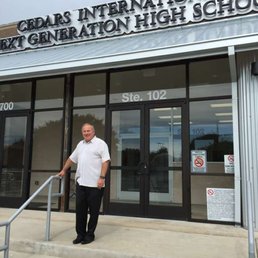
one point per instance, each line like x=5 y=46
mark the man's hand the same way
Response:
x=101 y=183
x=61 y=173
x=67 y=165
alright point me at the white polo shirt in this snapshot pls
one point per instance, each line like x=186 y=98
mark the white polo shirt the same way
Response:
x=89 y=157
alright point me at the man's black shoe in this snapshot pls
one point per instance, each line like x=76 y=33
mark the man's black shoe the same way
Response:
x=77 y=240
x=87 y=240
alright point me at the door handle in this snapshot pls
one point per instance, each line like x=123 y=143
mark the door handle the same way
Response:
x=142 y=168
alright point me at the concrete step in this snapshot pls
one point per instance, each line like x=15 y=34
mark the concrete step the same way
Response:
x=13 y=254
x=124 y=237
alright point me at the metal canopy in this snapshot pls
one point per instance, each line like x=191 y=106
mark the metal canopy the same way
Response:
x=207 y=38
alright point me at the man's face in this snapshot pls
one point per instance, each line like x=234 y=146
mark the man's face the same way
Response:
x=88 y=132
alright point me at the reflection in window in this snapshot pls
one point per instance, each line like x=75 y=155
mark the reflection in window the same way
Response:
x=166 y=135
x=159 y=163
x=125 y=141
x=14 y=142
x=130 y=152
x=47 y=140
x=40 y=201
x=130 y=181
x=158 y=83
x=15 y=95
x=12 y=173
x=89 y=89
x=46 y=100
x=211 y=130
x=210 y=78
x=167 y=189
x=199 y=184
x=125 y=153
x=165 y=144
x=124 y=188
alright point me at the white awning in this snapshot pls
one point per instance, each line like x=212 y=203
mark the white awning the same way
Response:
x=207 y=38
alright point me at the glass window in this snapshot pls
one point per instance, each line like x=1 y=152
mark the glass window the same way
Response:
x=47 y=140
x=40 y=201
x=210 y=78
x=211 y=130
x=211 y=135
x=125 y=139
x=12 y=172
x=165 y=137
x=158 y=83
x=166 y=188
x=44 y=99
x=165 y=156
x=89 y=89
x=125 y=154
x=15 y=96
x=199 y=184
x=124 y=186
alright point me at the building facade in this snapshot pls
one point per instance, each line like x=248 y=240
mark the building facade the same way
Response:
x=171 y=86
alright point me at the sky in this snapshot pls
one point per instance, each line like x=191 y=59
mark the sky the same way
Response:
x=16 y=10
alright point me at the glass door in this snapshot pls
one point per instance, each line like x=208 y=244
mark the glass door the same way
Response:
x=127 y=161
x=13 y=159
x=147 y=167
x=166 y=183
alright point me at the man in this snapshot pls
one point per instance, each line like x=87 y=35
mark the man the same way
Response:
x=92 y=158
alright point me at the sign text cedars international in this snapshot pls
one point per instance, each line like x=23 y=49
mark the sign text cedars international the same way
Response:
x=119 y=18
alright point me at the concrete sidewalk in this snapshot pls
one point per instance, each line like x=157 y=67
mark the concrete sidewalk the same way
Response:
x=123 y=237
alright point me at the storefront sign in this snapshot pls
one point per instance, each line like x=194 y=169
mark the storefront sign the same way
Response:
x=229 y=164
x=220 y=204
x=119 y=18
x=199 y=162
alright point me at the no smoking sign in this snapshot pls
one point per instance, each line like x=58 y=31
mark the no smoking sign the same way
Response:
x=199 y=161
x=210 y=191
x=229 y=164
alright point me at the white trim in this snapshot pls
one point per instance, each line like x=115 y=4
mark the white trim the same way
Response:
x=237 y=174
x=142 y=48
x=105 y=62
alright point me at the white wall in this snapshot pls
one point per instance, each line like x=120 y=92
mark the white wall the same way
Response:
x=248 y=126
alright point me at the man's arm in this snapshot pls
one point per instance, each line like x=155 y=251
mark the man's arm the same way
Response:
x=67 y=165
x=104 y=169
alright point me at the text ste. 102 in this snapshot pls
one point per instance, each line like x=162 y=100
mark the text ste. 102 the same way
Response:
x=150 y=95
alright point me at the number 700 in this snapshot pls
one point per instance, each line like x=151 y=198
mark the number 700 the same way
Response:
x=5 y=106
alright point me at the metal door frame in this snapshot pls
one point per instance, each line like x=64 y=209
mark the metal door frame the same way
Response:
x=14 y=202
x=144 y=209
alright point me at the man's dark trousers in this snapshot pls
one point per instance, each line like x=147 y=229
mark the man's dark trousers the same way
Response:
x=88 y=200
